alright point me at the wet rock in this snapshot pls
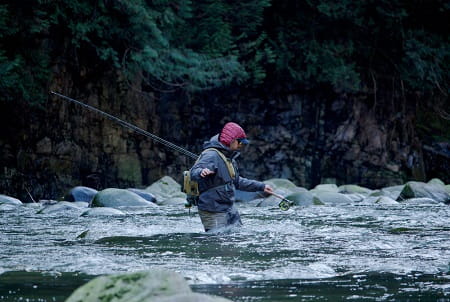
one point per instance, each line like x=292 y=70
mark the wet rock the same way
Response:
x=392 y=191
x=115 y=198
x=356 y=197
x=332 y=198
x=144 y=286
x=415 y=189
x=81 y=193
x=280 y=183
x=345 y=189
x=302 y=199
x=144 y=194
x=325 y=187
x=420 y=201
x=5 y=199
x=384 y=200
x=102 y=211
x=165 y=189
x=63 y=207
x=192 y=297
x=436 y=181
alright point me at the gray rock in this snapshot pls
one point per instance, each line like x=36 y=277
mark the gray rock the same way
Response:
x=81 y=193
x=392 y=192
x=302 y=198
x=325 y=187
x=102 y=211
x=415 y=189
x=384 y=200
x=61 y=207
x=4 y=199
x=115 y=198
x=144 y=194
x=347 y=189
x=165 y=188
x=280 y=183
x=332 y=198
x=192 y=297
x=420 y=201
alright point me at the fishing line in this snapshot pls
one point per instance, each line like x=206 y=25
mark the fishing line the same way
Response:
x=130 y=126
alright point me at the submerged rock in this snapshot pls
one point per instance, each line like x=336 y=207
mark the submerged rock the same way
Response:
x=4 y=199
x=81 y=193
x=114 y=198
x=103 y=211
x=61 y=207
x=384 y=200
x=144 y=286
x=415 y=189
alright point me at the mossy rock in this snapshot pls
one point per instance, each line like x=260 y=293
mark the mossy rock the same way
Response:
x=331 y=198
x=349 y=189
x=302 y=199
x=131 y=287
x=325 y=188
x=114 y=198
x=416 y=189
x=165 y=188
x=280 y=183
x=436 y=181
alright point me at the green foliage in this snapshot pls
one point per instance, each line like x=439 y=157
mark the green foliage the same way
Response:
x=197 y=45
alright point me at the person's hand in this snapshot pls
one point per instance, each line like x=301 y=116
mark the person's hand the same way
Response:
x=268 y=189
x=205 y=172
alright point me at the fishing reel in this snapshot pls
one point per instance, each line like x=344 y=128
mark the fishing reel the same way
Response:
x=285 y=204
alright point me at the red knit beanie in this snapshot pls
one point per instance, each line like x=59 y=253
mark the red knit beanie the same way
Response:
x=230 y=132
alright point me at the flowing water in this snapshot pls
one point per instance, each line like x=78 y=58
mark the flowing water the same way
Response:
x=318 y=253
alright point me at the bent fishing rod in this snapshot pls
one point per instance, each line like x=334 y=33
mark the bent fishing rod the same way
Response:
x=130 y=126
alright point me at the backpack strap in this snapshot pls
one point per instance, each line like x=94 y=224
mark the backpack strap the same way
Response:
x=227 y=161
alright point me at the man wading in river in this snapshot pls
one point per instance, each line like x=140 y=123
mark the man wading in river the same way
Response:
x=218 y=178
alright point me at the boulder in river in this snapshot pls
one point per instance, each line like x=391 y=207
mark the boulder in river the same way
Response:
x=144 y=194
x=166 y=189
x=330 y=198
x=416 y=189
x=62 y=207
x=102 y=211
x=142 y=286
x=115 y=198
x=354 y=189
x=5 y=199
x=81 y=193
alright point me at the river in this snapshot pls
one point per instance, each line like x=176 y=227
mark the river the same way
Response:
x=350 y=252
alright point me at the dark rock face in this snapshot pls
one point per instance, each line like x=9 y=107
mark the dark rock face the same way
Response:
x=309 y=139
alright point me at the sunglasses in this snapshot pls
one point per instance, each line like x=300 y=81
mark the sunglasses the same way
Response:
x=241 y=141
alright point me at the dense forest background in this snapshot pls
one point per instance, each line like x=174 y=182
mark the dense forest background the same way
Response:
x=328 y=90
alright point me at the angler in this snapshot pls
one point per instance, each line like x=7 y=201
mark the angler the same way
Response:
x=217 y=184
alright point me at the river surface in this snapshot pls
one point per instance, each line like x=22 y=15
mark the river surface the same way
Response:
x=318 y=253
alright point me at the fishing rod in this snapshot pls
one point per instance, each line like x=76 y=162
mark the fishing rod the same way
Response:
x=130 y=126
x=285 y=203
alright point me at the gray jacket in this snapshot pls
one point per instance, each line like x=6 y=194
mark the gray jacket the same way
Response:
x=217 y=191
